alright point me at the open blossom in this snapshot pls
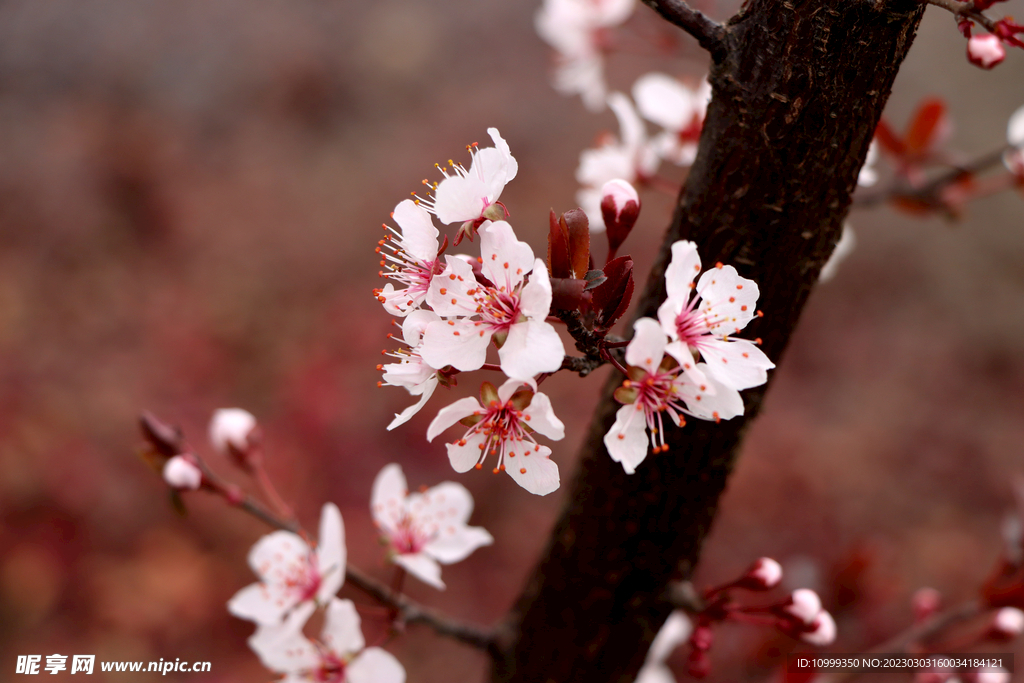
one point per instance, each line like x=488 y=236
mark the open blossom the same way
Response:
x=409 y=257
x=423 y=529
x=575 y=29
x=1014 y=158
x=723 y=305
x=471 y=196
x=657 y=386
x=507 y=308
x=411 y=371
x=678 y=109
x=630 y=157
x=502 y=423
x=337 y=657
x=291 y=573
x=673 y=633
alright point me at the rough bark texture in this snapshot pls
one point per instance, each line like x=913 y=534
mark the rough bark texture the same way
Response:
x=796 y=100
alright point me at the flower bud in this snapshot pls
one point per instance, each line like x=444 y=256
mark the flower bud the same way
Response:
x=764 y=574
x=1007 y=624
x=822 y=631
x=699 y=664
x=230 y=428
x=985 y=50
x=620 y=207
x=181 y=473
x=804 y=604
x=925 y=602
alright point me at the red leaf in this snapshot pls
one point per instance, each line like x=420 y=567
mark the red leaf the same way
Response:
x=927 y=124
x=578 y=228
x=611 y=298
x=558 y=248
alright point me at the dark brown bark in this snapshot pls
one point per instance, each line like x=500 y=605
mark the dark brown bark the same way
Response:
x=797 y=96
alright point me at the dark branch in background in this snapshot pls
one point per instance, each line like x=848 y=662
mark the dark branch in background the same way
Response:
x=709 y=33
x=965 y=10
x=788 y=128
x=169 y=441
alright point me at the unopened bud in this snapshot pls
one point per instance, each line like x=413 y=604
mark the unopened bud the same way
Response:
x=1000 y=676
x=620 y=207
x=925 y=602
x=230 y=428
x=822 y=631
x=1007 y=624
x=702 y=637
x=699 y=664
x=182 y=474
x=985 y=50
x=765 y=573
x=804 y=604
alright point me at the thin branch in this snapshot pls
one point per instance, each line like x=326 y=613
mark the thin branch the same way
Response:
x=965 y=10
x=709 y=33
x=169 y=441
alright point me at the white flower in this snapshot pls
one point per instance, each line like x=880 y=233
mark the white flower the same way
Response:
x=630 y=157
x=181 y=473
x=411 y=371
x=677 y=108
x=230 y=428
x=655 y=387
x=574 y=28
x=1014 y=159
x=422 y=529
x=510 y=307
x=727 y=302
x=291 y=573
x=409 y=257
x=338 y=657
x=673 y=633
x=868 y=176
x=1008 y=623
x=503 y=422
x=844 y=247
x=467 y=196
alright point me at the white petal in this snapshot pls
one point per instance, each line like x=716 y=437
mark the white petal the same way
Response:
x=330 y=553
x=844 y=247
x=531 y=347
x=374 y=665
x=728 y=301
x=716 y=402
x=460 y=198
x=664 y=100
x=464 y=457
x=342 y=633
x=736 y=363
x=633 y=133
x=511 y=386
x=231 y=426
x=511 y=165
x=261 y=603
x=459 y=343
x=535 y=300
x=598 y=166
x=282 y=647
x=458 y=544
x=685 y=266
x=423 y=567
x=449 y=415
x=673 y=633
x=647 y=348
x=415 y=325
x=419 y=236
x=454 y=283
x=400 y=302
x=274 y=556
x=387 y=500
x=655 y=673
x=626 y=441
x=506 y=260
x=541 y=418
x=448 y=502
x=411 y=373
x=534 y=471
x=426 y=391
x=1015 y=128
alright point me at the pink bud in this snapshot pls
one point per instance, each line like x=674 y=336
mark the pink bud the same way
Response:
x=621 y=193
x=702 y=637
x=804 y=604
x=765 y=573
x=230 y=428
x=925 y=602
x=985 y=50
x=182 y=474
x=1007 y=624
x=620 y=207
x=822 y=631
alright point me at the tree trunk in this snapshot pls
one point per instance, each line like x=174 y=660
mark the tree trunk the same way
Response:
x=797 y=95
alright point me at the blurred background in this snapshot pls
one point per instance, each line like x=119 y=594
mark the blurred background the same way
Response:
x=190 y=196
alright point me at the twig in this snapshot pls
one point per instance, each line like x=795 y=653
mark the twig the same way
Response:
x=710 y=34
x=965 y=10
x=580 y=365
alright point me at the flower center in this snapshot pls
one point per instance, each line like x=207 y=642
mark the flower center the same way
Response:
x=331 y=669
x=504 y=433
x=304 y=579
x=407 y=537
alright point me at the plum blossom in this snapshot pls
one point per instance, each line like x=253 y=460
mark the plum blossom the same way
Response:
x=409 y=257
x=181 y=473
x=1014 y=158
x=339 y=656
x=411 y=371
x=678 y=109
x=292 y=573
x=727 y=302
x=502 y=422
x=656 y=386
x=575 y=29
x=423 y=529
x=471 y=196
x=673 y=633
x=230 y=428
x=506 y=308
x=630 y=157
